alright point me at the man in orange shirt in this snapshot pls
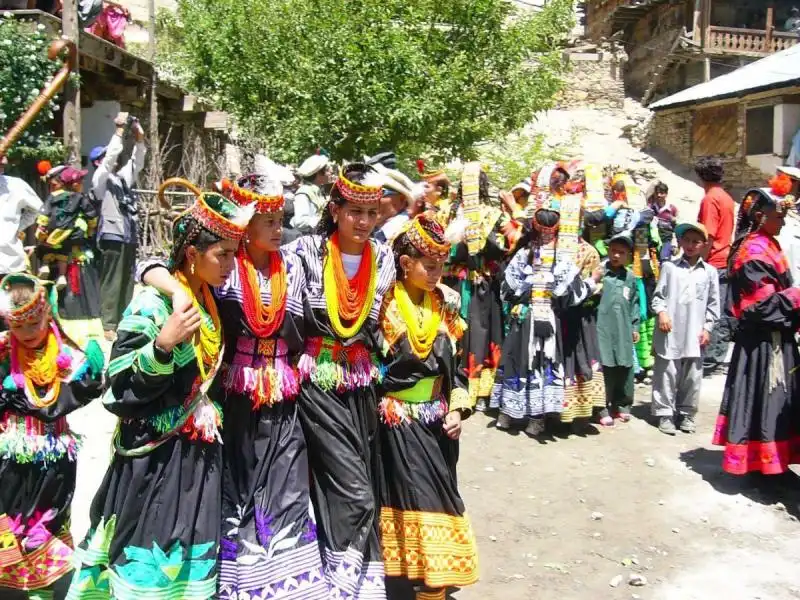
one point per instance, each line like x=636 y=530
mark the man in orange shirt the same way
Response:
x=717 y=215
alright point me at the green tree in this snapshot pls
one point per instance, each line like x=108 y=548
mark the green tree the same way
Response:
x=355 y=77
x=24 y=71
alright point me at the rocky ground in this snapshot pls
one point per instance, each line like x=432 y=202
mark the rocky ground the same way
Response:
x=572 y=518
x=565 y=518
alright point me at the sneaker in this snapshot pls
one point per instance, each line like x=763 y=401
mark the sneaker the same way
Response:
x=535 y=427
x=44 y=272
x=687 y=424
x=503 y=421
x=667 y=425
x=61 y=282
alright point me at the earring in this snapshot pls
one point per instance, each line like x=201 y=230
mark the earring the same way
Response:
x=191 y=269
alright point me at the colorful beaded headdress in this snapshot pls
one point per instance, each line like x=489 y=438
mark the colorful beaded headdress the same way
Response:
x=211 y=212
x=32 y=310
x=777 y=195
x=220 y=216
x=368 y=191
x=417 y=232
x=433 y=176
x=259 y=191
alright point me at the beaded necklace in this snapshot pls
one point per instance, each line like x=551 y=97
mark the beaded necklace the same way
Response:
x=352 y=300
x=263 y=320
x=207 y=344
x=422 y=322
x=40 y=368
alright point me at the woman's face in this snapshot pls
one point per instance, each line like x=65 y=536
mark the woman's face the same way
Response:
x=433 y=193
x=423 y=273
x=31 y=335
x=214 y=264
x=772 y=221
x=355 y=222
x=264 y=231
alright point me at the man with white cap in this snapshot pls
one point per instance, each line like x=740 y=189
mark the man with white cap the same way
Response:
x=396 y=202
x=19 y=206
x=309 y=199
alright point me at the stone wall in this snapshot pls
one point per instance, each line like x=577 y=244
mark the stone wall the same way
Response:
x=671 y=132
x=595 y=79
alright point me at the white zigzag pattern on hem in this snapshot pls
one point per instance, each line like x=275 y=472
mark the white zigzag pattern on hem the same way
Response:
x=350 y=578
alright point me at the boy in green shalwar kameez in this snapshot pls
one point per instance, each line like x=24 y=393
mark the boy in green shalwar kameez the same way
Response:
x=618 y=330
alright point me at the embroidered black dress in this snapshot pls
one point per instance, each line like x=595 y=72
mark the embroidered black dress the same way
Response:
x=427 y=537
x=155 y=519
x=38 y=467
x=269 y=543
x=759 y=420
x=338 y=408
x=477 y=279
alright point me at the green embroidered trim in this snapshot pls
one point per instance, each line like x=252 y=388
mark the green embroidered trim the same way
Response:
x=149 y=364
x=149 y=573
x=177 y=573
x=140 y=324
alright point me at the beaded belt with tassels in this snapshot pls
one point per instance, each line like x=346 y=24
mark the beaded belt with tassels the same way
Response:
x=423 y=402
x=26 y=439
x=261 y=369
x=334 y=366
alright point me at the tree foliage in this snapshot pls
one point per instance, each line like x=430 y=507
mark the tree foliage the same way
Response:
x=356 y=77
x=24 y=70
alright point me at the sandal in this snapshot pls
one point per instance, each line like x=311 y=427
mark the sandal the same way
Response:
x=624 y=417
x=606 y=421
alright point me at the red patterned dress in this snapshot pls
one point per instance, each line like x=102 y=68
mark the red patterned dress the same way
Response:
x=759 y=422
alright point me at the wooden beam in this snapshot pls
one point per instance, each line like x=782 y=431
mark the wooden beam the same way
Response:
x=72 y=92
x=216 y=119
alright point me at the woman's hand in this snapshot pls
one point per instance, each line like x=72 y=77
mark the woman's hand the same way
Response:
x=452 y=424
x=180 y=326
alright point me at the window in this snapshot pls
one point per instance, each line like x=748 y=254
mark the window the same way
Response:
x=760 y=127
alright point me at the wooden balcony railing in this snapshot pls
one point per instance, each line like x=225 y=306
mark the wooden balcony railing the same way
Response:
x=748 y=41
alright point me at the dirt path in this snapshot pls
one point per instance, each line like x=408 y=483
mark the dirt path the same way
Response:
x=668 y=513
x=694 y=533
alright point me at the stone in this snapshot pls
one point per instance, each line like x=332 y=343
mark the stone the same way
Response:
x=637 y=580
x=615 y=581
x=597 y=516
x=650 y=462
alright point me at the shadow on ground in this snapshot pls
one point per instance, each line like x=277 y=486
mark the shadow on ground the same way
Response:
x=767 y=490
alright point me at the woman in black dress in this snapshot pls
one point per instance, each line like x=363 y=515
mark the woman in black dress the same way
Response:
x=347 y=276
x=759 y=420
x=427 y=538
x=45 y=377
x=155 y=519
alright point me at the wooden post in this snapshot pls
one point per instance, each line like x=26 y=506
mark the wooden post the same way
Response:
x=770 y=26
x=154 y=149
x=72 y=92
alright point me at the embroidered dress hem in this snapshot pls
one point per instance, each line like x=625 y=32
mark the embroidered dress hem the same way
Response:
x=582 y=397
x=36 y=569
x=769 y=458
x=352 y=578
x=435 y=548
x=525 y=398
x=293 y=575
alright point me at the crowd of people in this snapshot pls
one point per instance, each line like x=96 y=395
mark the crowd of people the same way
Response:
x=291 y=382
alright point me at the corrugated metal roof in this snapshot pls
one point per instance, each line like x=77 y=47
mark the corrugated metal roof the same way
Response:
x=782 y=68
